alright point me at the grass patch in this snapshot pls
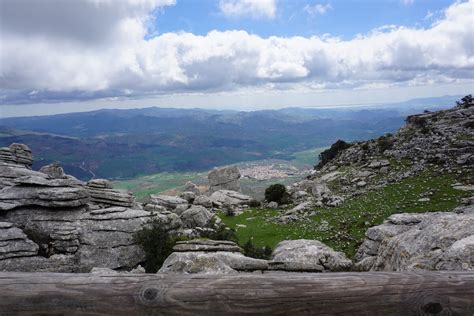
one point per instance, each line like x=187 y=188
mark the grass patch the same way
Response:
x=343 y=228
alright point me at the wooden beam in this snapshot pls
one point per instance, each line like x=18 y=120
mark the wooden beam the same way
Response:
x=366 y=293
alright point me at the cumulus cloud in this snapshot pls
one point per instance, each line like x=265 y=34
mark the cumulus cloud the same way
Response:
x=248 y=8
x=318 y=8
x=37 y=64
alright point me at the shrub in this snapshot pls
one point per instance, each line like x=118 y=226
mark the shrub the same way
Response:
x=384 y=143
x=466 y=101
x=157 y=244
x=277 y=193
x=221 y=233
x=259 y=253
x=331 y=153
x=417 y=120
x=365 y=146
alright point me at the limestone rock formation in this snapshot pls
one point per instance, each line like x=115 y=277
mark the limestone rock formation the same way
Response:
x=168 y=202
x=102 y=193
x=196 y=216
x=19 y=154
x=210 y=257
x=428 y=241
x=230 y=198
x=226 y=178
x=54 y=171
x=15 y=243
x=307 y=256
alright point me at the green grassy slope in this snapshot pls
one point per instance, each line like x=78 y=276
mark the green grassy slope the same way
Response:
x=343 y=228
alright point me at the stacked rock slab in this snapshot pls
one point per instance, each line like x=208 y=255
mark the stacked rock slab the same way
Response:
x=19 y=154
x=428 y=241
x=226 y=178
x=210 y=257
x=102 y=193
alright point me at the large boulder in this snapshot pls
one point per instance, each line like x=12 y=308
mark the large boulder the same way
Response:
x=307 y=256
x=428 y=241
x=226 y=178
x=196 y=216
x=210 y=257
x=54 y=171
x=228 y=197
x=168 y=202
x=103 y=194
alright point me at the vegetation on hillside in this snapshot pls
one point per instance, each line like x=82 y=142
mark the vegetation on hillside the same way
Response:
x=343 y=227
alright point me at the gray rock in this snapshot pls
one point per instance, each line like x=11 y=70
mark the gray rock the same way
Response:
x=102 y=193
x=196 y=216
x=219 y=262
x=272 y=204
x=206 y=245
x=47 y=194
x=320 y=189
x=203 y=201
x=429 y=241
x=54 y=170
x=307 y=256
x=228 y=197
x=188 y=196
x=15 y=243
x=19 y=154
x=168 y=202
x=226 y=178
x=377 y=164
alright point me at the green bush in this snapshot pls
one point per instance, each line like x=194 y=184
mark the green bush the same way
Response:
x=331 y=153
x=254 y=252
x=222 y=233
x=384 y=143
x=157 y=244
x=277 y=193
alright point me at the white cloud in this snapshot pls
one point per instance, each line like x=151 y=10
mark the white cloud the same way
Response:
x=118 y=61
x=407 y=2
x=318 y=8
x=248 y=8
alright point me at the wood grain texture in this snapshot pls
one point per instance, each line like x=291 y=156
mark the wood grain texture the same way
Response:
x=366 y=293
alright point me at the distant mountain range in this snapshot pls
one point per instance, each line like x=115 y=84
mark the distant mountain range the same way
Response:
x=126 y=143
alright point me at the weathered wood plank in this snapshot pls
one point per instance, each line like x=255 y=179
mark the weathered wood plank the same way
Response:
x=378 y=293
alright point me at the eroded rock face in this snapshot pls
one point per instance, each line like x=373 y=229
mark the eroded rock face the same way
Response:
x=102 y=193
x=38 y=191
x=210 y=257
x=307 y=256
x=428 y=241
x=15 y=243
x=226 y=178
x=54 y=171
x=196 y=216
x=228 y=197
x=168 y=202
x=18 y=154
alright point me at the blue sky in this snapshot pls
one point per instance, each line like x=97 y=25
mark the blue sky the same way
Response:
x=66 y=56
x=344 y=19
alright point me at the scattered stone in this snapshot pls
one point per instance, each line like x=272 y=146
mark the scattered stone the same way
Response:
x=203 y=201
x=196 y=216
x=272 y=204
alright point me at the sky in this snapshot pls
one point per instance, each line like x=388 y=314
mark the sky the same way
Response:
x=61 y=56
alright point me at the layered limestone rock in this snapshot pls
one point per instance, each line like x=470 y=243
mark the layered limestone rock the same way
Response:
x=15 y=243
x=226 y=178
x=232 y=198
x=428 y=241
x=54 y=171
x=39 y=191
x=18 y=154
x=168 y=202
x=307 y=256
x=210 y=257
x=102 y=193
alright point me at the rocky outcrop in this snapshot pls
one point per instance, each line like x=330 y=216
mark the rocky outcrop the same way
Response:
x=18 y=154
x=168 y=202
x=226 y=178
x=210 y=257
x=39 y=191
x=102 y=193
x=196 y=216
x=54 y=171
x=307 y=256
x=15 y=243
x=232 y=198
x=428 y=241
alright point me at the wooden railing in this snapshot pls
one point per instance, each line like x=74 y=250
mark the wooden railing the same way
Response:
x=367 y=293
